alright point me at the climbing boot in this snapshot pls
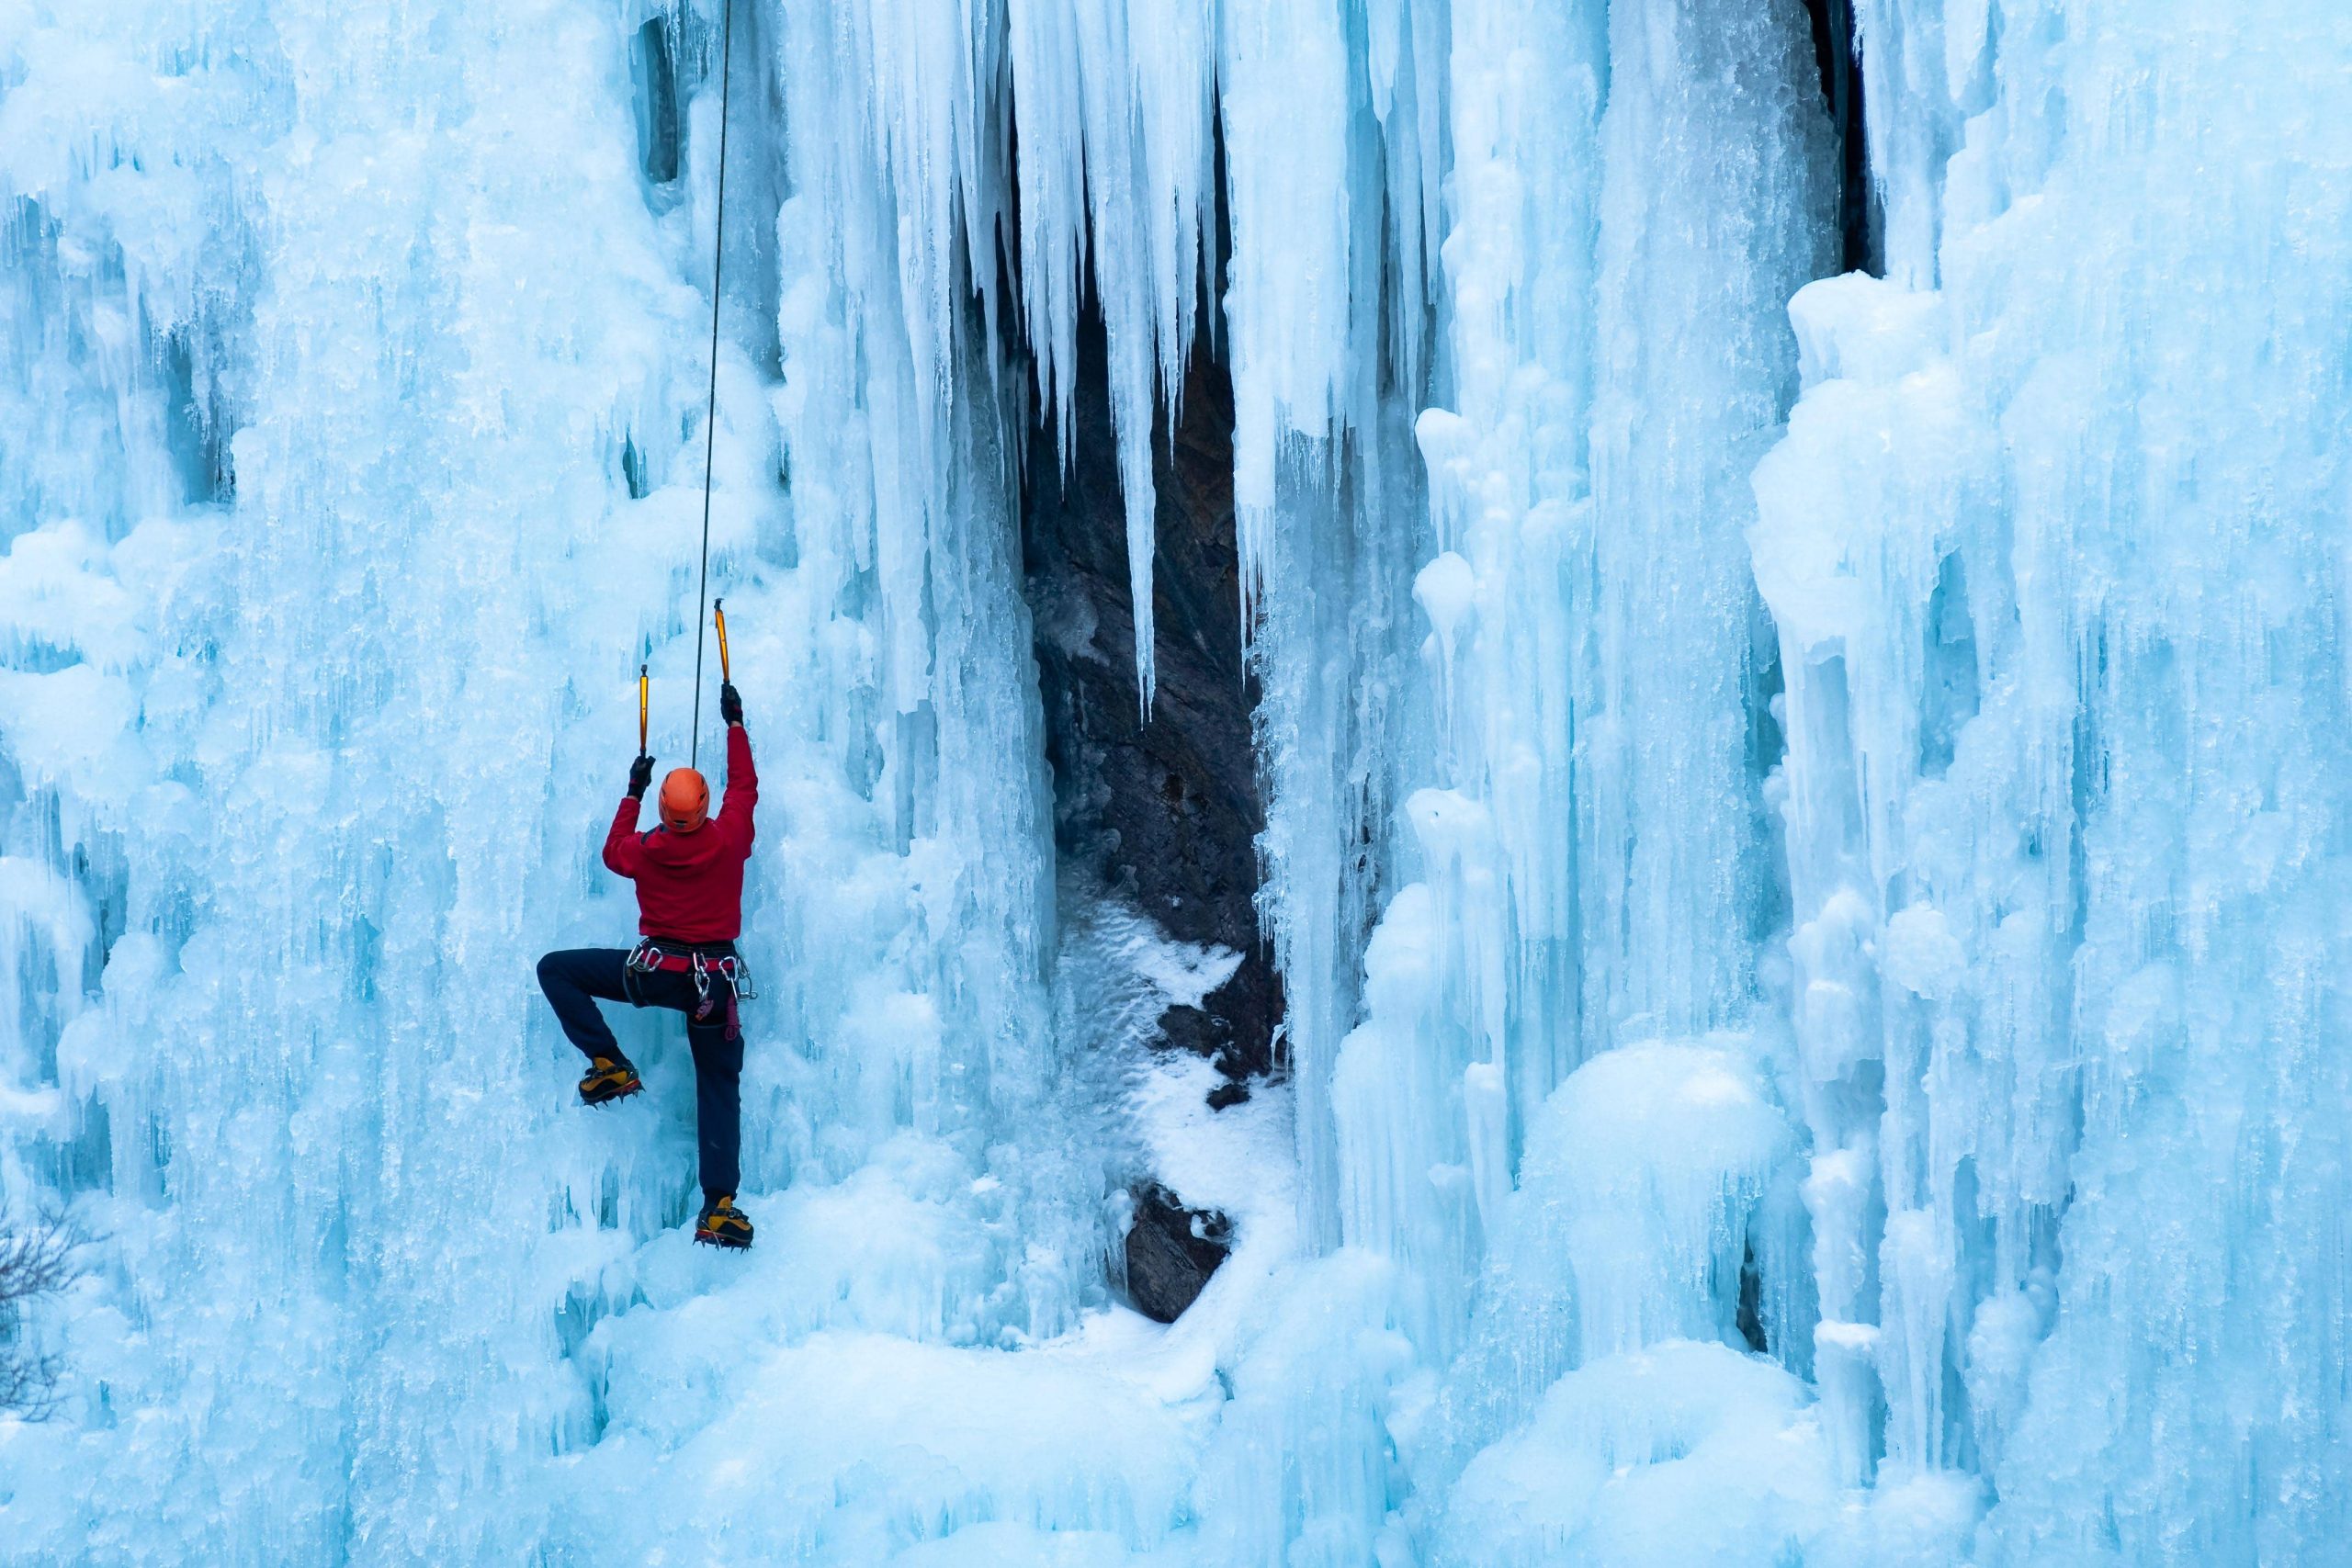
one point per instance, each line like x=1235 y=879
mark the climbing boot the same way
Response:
x=608 y=1081
x=723 y=1225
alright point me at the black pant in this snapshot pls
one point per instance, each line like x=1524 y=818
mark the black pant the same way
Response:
x=577 y=978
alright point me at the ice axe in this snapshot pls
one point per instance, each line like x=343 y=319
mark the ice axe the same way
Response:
x=644 y=705
x=718 y=609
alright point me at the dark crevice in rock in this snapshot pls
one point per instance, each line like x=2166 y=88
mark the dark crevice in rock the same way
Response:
x=758 y=183
x=1751 y=1304
x=1772 y=904
x=195 y=429
x=656 y=81
x=1861 y=242
x=1163 y=813
x=1949 y=694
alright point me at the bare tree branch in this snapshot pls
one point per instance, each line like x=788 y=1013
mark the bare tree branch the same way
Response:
x=38 y=1257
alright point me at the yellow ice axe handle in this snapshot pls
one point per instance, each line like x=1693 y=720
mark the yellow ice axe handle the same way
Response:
x=644 y=704
x=718 y=608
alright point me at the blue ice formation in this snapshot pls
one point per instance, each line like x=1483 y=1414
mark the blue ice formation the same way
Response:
x=1809 y=835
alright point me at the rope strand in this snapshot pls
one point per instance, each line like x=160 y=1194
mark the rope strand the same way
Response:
x=710 y=412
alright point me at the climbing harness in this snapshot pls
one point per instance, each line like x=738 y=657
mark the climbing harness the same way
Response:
x=710 y=412
x=650 y=957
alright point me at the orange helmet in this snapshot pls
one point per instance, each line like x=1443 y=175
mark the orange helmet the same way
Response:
x=685 y=800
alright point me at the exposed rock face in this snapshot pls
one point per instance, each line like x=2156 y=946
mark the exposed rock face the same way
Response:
x=1172 y=1252
x=1164 y=814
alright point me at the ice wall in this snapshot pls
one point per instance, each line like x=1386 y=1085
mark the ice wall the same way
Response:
x=2052 y=544
x=2037 y=800
x=1588 y=827
x=300 y=768
x=355 y=370
x=2014 y=854
x=1800 y=835
x=1587 y=866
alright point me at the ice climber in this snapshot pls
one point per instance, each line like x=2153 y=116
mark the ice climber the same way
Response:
x=689 y=876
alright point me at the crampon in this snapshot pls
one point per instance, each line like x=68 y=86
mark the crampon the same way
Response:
x=608 y=1081
x=723 y=1225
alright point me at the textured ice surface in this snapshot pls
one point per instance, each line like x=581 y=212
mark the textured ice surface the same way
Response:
x=1805 y=823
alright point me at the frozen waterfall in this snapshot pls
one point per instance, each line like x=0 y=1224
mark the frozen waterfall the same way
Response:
x=1788 y=568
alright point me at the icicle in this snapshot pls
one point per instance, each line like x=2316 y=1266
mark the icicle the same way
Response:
x=1114 y=103
x=1283 y=86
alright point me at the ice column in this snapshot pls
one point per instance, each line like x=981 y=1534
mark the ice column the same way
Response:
x=904 y=484
x=1715 y=207
x=1328 y=493
x=1590 y=840
x=1470 y=979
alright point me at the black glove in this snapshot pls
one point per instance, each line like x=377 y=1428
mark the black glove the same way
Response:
x=730 y=703
x=640 y=773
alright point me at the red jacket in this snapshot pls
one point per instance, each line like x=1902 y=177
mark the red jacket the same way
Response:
x=690 y=885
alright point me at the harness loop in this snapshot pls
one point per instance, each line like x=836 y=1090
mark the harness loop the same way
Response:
x=649 y=957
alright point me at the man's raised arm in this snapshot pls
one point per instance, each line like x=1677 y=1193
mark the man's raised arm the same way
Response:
x=623 y=851
x=742 y=795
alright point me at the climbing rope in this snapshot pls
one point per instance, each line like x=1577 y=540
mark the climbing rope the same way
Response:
x=710 y=412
